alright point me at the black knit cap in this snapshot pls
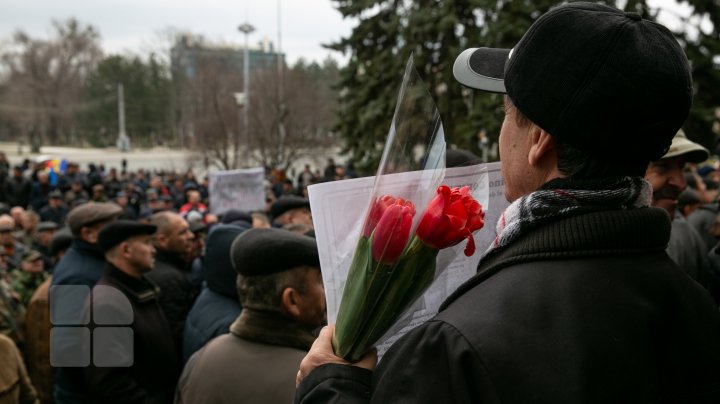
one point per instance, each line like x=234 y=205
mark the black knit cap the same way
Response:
x=267 y=251
x=217 y=265
x=603 y=80
x=121 y=230
x=286 y=203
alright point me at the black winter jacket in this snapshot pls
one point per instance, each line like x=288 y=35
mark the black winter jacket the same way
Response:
x=588 y=309
x=177 y=293
x=156 y=367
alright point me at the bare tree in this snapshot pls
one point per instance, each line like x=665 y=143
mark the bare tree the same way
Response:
x=213 y=112
x=285 y=121
x=298 y=124
x=43 y=91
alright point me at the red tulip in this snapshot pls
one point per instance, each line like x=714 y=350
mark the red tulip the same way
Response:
x=392 y=231
x=451 y=217
x=376 y=211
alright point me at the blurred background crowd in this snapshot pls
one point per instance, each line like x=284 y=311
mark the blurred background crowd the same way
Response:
x=50 y=225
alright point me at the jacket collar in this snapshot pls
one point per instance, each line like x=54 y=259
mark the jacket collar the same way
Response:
x=272 y=329
x=139 y=289
x=171 y=258
x=85 y=248
x=603 y=233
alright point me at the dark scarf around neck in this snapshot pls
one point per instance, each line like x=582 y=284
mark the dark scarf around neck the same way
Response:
x=564 y=197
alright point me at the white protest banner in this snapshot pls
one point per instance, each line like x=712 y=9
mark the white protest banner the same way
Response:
x=237 y=189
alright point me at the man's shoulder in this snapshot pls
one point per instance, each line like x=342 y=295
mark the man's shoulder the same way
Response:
x=216 y=351
x=77 y=269
x=163 y=264
x=216 y=303
x=165 y=270
x=160 y=268
x=161 y=272
x=231 y=344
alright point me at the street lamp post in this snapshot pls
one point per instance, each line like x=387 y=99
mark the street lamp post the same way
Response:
x=123 y=141
x=246 y=29
x=282 y=108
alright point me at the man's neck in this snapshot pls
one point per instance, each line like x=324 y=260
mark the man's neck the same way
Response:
x=126 y=268
x=170 y=256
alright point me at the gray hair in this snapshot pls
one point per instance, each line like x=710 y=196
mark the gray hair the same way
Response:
x=264 y=292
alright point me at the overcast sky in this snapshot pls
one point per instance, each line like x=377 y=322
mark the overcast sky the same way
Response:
x=135 y=26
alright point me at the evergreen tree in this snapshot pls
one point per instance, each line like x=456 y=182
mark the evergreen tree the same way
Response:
x=147 y=91
x=435 y=32
x=701 y=40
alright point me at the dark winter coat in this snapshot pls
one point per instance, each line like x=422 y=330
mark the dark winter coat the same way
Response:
x=687 y=249
x=218 y=304
x=17 y=191
x=256 y=363
x=82 y=264
x=177 y=293
x=56 y=215
x=588 y=309
x=153 y=375
x=39 y=195
x=702 y=220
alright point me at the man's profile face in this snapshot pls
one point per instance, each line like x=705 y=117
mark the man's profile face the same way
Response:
x=34 y=267
x=141 y=252
x=17 y=213
x=6 y=238
x=667 y=180
x=312 y=302
x=300 y=216
x=179 y=237
x=514 y=143
x=193 y=197
x=44 y=237
x=92 y=233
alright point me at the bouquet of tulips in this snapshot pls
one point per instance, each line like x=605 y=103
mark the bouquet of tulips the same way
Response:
x=395 y=259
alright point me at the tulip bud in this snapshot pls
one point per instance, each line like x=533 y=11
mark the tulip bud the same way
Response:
x=392 y=231
x=377 y=209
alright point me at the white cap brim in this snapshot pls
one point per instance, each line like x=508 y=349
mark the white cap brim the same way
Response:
x=482 y=68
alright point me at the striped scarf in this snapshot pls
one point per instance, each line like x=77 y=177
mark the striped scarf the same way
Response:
x=563 y=197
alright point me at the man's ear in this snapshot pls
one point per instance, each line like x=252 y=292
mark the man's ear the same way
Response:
x=542 y=146
x=289 y=303
x=124 y=248
x=160 y=240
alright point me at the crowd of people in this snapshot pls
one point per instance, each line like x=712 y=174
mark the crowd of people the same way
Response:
x=602 y=283
x=152 y=236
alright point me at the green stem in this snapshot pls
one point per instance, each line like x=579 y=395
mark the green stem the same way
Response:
x=354 y=294
x=412 y=274
x=365 y=283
